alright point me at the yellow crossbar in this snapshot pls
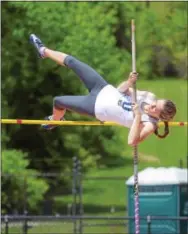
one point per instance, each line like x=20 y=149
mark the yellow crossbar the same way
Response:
x=73 y=123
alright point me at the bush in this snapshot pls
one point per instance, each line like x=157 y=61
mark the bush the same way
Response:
x=19 y=183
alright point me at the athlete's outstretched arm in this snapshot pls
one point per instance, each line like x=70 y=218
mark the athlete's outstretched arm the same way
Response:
x=134 y=133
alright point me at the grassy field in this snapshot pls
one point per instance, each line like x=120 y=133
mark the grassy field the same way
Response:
x=101 y=197
x=64 y=228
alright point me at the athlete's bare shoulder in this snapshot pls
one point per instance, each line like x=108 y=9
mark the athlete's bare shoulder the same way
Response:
x=151 y=96
x=144 y=93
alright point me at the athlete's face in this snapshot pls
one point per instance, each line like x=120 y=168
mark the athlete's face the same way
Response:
x=156 y=107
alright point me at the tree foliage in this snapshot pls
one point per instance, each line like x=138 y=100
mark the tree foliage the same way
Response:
x=20 y=183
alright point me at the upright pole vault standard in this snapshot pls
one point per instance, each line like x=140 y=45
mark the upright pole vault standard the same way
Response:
x=135 y=148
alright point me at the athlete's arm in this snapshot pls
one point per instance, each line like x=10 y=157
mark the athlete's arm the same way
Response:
x=134 y=133
x=141 y=132
x=124 y=86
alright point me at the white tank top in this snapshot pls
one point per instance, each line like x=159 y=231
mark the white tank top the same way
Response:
x=113 y=106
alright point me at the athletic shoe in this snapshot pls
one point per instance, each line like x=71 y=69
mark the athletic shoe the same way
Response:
x=37 y=44
x=49 y=126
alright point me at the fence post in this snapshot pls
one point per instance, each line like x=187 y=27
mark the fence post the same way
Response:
x=149 y=224
x=180 y=163
x=80 y=196
x=69 y=209
x=25 y=225
x=187 y=170
x=74 y=192
x=6 y=224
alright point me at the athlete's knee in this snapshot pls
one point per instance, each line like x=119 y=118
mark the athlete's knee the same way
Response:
x=70 y=61
x=58 y=103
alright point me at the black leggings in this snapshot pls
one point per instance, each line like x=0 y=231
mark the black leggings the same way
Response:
x=93 y=82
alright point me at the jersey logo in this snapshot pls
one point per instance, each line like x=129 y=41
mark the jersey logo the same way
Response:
x=125 y=105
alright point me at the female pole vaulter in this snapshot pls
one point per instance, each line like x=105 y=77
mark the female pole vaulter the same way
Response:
x=106 y=102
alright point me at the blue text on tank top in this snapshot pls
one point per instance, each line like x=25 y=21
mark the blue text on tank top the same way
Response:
x=125 y=104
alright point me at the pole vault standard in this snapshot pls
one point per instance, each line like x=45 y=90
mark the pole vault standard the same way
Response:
x=78 y=123
x=135 y=148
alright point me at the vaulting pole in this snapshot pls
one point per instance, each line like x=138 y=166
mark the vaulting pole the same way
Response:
x=135 y=148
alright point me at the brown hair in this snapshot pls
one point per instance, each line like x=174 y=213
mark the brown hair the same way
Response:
x=166 y=115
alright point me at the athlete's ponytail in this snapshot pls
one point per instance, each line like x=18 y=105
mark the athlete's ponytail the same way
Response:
x=166 y=115
x=166 y=131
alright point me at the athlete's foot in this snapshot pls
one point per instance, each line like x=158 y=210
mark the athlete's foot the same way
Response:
x=37 y=44
x=49 y=126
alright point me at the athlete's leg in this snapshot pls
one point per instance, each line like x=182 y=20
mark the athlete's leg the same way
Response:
x=92 y=80
x=83 y=105
x=88 y=75
x=58 y=113
x=58 y=57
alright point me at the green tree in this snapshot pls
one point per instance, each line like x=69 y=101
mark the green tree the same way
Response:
x=20 y=186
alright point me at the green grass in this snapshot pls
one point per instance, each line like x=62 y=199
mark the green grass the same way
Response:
x=64 y=228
